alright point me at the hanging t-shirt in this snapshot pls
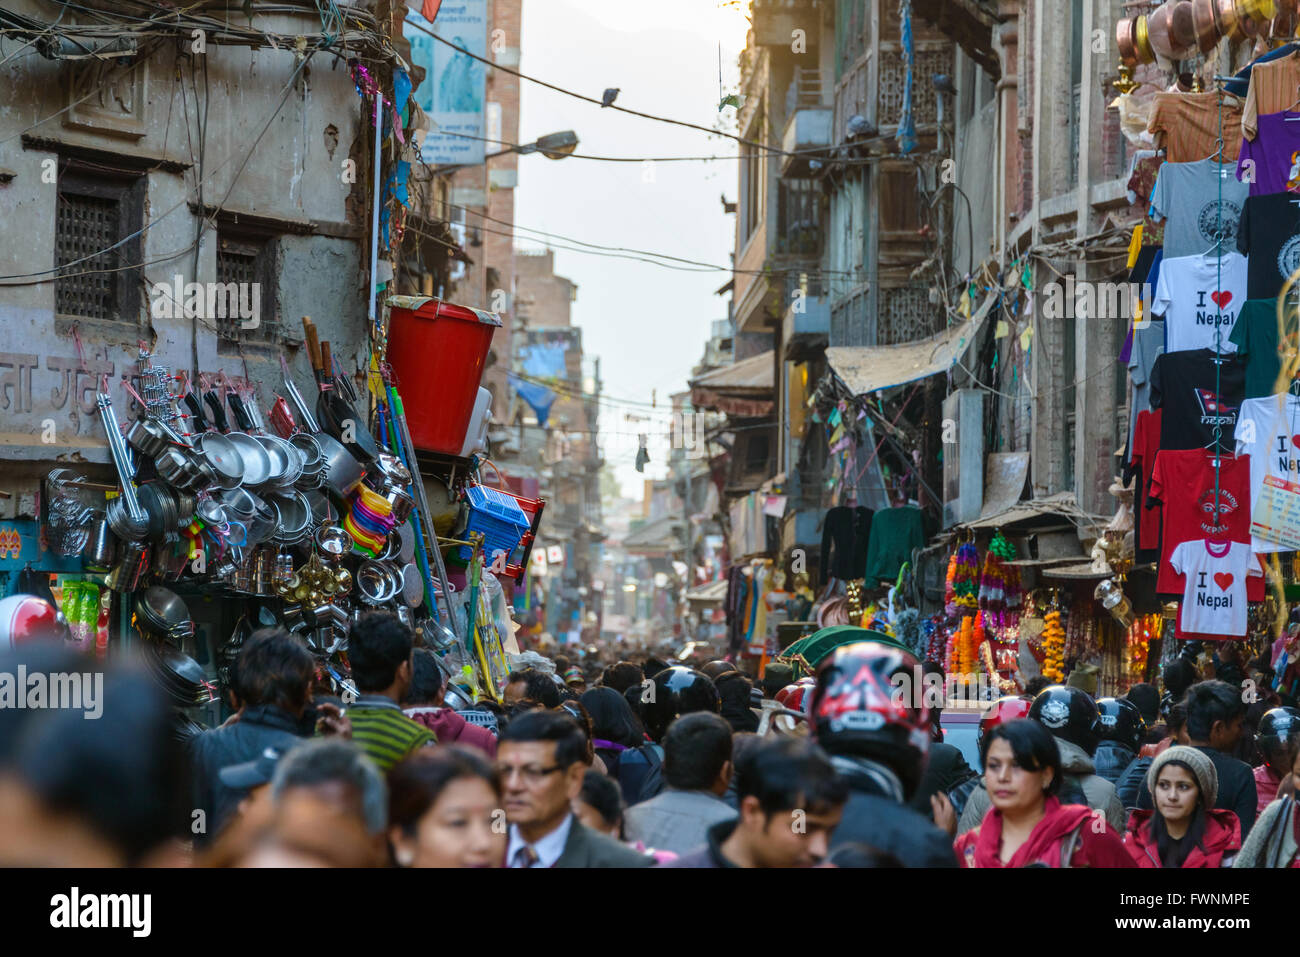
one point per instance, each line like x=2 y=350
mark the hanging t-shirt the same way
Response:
x=1214 y=598
x=1183 y=385
x=1256 y=337
x=1188 y=196
x=1146 y=444
x=1183 y=483
x=1271 y=162
x=1148 y=346
x=1267 y=432
x=895 y=532
x=1188 y=125
x=1200 y=296
x=1139 y=276
x=1269 y=236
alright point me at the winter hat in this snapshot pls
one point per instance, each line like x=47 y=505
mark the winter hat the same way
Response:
x=1202 y=767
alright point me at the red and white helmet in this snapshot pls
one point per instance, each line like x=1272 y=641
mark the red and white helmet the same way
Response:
x=26 y=618
x=794 y=697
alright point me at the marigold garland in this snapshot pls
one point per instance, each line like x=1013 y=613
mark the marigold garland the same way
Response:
x=1053 y=647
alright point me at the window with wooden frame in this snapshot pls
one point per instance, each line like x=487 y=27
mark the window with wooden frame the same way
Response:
x=246 y=260
x=96 y=210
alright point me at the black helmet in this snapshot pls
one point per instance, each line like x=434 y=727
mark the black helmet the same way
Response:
x=1279 y=730
x=1121 y=721
x=717 y=668
x=677 y=691
x=856 y=708
x=1070 y=714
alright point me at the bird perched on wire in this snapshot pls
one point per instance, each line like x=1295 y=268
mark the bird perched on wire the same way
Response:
x=610 y=96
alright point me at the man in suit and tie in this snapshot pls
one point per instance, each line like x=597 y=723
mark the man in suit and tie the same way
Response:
x=541 y=759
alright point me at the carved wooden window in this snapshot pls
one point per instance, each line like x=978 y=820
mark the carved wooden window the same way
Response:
x=246 y=274
x=95 y=213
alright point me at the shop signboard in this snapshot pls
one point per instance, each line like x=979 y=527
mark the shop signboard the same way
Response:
x=453 y=92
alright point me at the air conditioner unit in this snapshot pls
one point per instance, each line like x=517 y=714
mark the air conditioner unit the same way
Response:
x=963 y=456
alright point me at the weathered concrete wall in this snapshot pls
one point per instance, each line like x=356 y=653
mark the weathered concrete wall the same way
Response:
x=292 y=175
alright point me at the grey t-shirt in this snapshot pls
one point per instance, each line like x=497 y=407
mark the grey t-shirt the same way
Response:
x=1148 y=344
x=1187 y=196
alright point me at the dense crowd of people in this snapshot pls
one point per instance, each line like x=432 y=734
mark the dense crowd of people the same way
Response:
x=643 y=763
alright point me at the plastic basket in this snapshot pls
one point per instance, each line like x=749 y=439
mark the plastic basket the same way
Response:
x=495 y=515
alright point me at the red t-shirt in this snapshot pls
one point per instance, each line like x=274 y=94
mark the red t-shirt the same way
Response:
x=1183 y=482
x=1146 y=443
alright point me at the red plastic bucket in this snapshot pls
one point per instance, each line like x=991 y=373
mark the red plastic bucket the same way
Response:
x=438 y=350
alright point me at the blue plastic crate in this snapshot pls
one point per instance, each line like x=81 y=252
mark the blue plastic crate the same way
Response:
x=498 y=517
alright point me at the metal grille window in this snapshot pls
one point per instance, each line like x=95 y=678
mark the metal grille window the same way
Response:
x=244 y=306
x=93 y=213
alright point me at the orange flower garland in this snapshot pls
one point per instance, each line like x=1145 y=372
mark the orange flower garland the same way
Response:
x=1053 y=647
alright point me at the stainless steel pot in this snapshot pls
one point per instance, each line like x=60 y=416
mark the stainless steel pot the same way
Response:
x=257 y=463
x=147 y=437
x=342 y=472
x=223 y=457
x=101 y=548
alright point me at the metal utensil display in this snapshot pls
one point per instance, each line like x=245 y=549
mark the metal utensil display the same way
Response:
x=101 y=547
x=132 y=563
x=131 y=523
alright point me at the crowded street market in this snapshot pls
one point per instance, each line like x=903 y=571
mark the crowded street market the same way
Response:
x=347 y=521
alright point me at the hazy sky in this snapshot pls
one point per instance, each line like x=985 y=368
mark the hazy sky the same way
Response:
x=647 y=323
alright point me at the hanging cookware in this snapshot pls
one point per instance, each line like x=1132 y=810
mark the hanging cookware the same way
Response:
x=412 y=586
x=132 y=563
x=323 y=511
x=127 y=518
x=147 y=437
x=1207 y=32
x=341 y=472
x=1142 y=39
x=405 y=542
x=1124 y=40
x=286 y=464
x=333 y=542
x=293 y=517
x=1172 y=31
x=338 y=418
x=101 y=548
x=160 y=506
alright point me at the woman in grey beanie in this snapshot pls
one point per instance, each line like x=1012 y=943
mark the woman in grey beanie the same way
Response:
x=1185 y=829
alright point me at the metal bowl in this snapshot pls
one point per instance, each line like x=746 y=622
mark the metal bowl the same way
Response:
x=257 y=462
x=333 y=542
x=293 y=517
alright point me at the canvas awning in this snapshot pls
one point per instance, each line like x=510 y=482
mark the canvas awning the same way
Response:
x=866 y=369
x=714 y=593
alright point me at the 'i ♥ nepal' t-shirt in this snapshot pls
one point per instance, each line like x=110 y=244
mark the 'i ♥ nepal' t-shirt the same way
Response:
x=1214 y=601
x=1183 y=483
x=1268 y=431
x=1200 y=297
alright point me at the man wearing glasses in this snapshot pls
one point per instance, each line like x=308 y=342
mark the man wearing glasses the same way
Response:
x=540 y=757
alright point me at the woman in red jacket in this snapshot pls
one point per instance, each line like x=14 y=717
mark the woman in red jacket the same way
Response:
x=1028 y=826
x=1185 y=829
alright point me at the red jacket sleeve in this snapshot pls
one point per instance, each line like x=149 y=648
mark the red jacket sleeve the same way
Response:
x=1102 y=849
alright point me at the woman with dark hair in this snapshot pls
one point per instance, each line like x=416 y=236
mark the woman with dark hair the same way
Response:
x=616 y=734
x=1027 y=825
x=1184 y=829
x=441 y=803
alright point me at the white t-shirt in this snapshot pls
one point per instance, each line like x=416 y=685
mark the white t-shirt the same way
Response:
x=1214 y=598
x=1200 y=297
x=1267 y=431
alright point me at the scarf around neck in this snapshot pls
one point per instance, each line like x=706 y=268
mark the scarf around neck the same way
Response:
x=1058 y=821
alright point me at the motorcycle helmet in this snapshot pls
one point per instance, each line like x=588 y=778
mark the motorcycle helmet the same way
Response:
x=858 y=710
x=25 y=618
x=1070 y=714
x=795 y=697
x=1278 y=736
x=1121 y=721
x=677 y=691
x=1010 y=708
x=717 y=668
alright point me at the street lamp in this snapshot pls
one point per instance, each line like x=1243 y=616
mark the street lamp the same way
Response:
x=553 y=146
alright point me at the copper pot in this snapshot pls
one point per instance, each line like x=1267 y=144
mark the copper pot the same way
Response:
x=1124 y=28
x=1207 y=33
x=1172 y=30
x=1183 y=26
x=1225 y=19
x=1142 y=40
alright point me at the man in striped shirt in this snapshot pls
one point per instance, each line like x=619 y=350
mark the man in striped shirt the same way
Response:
x=379 y=650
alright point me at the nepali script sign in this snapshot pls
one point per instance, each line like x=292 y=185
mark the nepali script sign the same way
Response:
x=454 y=86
